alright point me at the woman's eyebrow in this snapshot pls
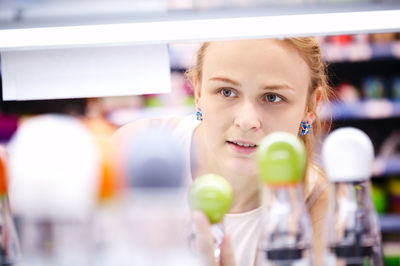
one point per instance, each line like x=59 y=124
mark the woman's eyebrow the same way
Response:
x=278 y=87
x=224 y=79
x=267 y=87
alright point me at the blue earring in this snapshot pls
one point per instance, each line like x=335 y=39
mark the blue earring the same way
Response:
x=305 y=128
x=199 y=115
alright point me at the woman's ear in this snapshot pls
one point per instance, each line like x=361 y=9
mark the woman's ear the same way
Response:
x=313 y=104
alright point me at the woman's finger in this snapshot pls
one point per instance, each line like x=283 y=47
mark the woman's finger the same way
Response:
x=227 y=254
x=204 y=238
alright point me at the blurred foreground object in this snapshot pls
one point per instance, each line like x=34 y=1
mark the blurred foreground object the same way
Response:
x=54 y=169
x=109 y=184
x=153 y=210
x=212 y=195
x=286 y=233
x=353 y=230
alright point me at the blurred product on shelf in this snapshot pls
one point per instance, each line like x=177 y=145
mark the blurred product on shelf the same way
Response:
x=391 y=145
x=373 y=88
x=353 y=233
x=386 y=195
x=378 y=98
x=383 y=37
x=345 y=47
x=54 y=193
x=384 y=44
x=347 y=93
x=387 y=161
x=394 y=195
x=10 y=253
x=341 y=39
x=359 y=110
x=360 y=47
x=392 y=256
x=8 y=126
x=395 y=95
x=379 y=198
x=151 y=100
x=379 y=87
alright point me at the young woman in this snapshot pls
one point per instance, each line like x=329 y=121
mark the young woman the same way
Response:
x=244 y=90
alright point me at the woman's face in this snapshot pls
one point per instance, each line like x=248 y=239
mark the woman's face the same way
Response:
x=248 y=89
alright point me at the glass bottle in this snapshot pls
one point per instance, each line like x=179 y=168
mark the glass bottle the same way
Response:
x=353 y=236
x=285 y=228
x=155 y=208
x=53 y=167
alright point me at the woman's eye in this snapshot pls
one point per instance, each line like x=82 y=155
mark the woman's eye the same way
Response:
x=228 y=93
x=273 y=98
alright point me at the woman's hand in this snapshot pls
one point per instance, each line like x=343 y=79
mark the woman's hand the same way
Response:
x=205 y=242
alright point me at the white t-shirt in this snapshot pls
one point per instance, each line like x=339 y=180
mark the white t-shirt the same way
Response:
x=241 y=227
x=243 y=231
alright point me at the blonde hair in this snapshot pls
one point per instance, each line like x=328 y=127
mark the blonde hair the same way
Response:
x=309 y=49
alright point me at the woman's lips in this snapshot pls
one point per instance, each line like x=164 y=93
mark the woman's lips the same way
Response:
x=243 y=147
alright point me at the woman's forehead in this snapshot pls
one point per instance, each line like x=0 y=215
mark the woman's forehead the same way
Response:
x=245 y=48
x=265 y=58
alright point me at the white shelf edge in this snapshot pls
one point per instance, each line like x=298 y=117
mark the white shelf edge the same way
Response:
x=178 y=30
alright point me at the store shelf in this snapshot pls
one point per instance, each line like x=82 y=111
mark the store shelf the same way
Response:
x=368 y=109
x=22 y=28
x=390 y=223
x=355 y=73
x=357 y=51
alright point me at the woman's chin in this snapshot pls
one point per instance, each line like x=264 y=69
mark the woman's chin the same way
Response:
x=239 y=166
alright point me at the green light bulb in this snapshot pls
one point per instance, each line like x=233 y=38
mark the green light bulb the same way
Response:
x=211 y=194
x=281 y=158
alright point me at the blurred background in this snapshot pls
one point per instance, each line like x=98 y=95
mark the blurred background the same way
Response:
x=363 y=67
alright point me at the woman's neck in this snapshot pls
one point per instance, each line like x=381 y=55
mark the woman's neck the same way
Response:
x=246 y=190
x=246 y=198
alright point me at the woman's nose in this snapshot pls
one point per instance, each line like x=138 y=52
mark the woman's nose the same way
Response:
x=247 y=117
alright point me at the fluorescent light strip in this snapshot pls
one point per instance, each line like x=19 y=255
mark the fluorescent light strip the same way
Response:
x=202 y=29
